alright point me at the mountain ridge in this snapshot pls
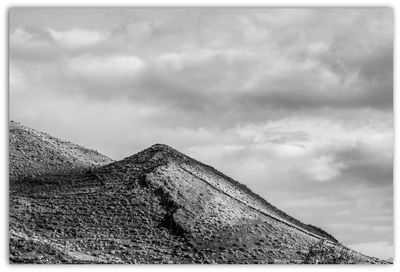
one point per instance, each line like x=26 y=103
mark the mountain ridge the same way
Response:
x=169 y=152
x=156 y=206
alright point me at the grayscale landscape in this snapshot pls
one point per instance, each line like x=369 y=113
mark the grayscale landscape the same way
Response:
x=201 y=135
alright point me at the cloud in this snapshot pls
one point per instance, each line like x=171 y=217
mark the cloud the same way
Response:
x=324 y=168
x=76 y=38
x=105 y=71
x=31 y=44
x=16 y=79
x=371 y=159
x=310 y=67
x=383 y=250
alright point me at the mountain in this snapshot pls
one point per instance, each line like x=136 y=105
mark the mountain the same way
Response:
x=33 y=153
x=69 y=204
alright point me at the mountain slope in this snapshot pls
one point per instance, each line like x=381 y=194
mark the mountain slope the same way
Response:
x=157 y=206
x=34 y=153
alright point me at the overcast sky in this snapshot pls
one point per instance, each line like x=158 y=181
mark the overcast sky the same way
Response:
x=295 y=103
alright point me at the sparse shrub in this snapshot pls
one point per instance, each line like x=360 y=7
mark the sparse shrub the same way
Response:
x=324 y=253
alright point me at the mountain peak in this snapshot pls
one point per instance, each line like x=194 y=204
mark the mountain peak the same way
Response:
x=153 y=156
x=165 y=151
x=160 y=151
x=162 y=147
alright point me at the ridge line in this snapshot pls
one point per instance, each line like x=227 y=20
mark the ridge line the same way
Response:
x=253 y=208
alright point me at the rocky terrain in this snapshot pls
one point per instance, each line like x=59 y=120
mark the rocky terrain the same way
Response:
x=69 y=204
x=33 y=153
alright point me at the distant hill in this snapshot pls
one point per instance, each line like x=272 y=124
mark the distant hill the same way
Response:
x=34 y=153
x=69 y=204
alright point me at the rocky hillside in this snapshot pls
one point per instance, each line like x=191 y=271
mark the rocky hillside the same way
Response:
x=157 y=206
x=33 y=153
